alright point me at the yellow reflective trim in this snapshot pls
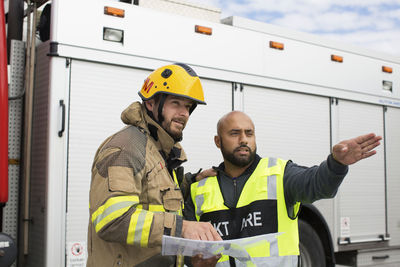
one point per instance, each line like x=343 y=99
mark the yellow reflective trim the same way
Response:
x=259 y=249
x=175 y=178
x=223 y=258
x=110 y=217
x=153 y=208
x=132 y=227
x=288 y=242
x=111 y=201
x=156 y=208
x=139 y=228
x=207 y=196
x=144 y=241
x=296 y=209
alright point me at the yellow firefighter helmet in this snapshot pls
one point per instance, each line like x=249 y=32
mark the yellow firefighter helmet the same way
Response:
x=176 y=79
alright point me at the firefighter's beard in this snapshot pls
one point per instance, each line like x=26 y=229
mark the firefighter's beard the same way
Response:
x=175 y=131
x=238 y=161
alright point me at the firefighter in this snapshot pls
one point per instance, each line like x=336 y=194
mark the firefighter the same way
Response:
x=135 y=196
x=250 y=195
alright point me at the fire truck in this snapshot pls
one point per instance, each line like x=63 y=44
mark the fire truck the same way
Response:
x=78 y=64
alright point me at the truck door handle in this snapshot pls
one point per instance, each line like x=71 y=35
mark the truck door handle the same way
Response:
x=383 y=257
x=60 y=132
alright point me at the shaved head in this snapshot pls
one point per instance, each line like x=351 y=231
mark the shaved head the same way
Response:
x=230 y=117
x=236 y=140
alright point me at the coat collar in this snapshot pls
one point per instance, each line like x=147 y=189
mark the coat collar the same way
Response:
x=136 y=115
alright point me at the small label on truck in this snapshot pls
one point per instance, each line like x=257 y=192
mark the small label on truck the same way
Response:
x=344 y=226
x=76 y=254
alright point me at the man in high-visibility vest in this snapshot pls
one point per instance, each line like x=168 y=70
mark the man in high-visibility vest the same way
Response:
x=250 y=195
x=135 y=196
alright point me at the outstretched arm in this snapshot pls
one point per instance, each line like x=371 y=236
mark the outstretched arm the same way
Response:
x=350 y=151
x=307 y=185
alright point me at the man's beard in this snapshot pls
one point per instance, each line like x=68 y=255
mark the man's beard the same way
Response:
x=176 y=136
x=238 y=161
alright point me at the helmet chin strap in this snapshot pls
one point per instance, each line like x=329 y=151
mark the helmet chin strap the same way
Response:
x=160 y=108
x=160 y=118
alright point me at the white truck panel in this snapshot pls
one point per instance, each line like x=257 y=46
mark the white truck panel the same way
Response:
x=289 y=125
x=57 y=160
x=392 y=123
x=362 y=192
x=98 y=95
x=168 y=37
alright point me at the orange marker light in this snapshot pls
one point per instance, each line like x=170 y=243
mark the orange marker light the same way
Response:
x=203 y=30
x=112 y=11
x=337 y=58
x=276 y=45
x=387 y=69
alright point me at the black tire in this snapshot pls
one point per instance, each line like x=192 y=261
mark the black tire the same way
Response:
x=311 y=249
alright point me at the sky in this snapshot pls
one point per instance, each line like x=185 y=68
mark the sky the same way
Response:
x=372 y=24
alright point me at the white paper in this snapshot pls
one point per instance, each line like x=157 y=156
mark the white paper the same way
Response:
x=235 y=248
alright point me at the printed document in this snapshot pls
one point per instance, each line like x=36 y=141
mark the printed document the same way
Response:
x=237 y=248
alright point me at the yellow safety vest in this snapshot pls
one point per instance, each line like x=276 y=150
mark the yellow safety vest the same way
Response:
x=261 y=209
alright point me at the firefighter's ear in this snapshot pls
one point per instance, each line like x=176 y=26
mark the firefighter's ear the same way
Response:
x=217 y=141
x=150 y=105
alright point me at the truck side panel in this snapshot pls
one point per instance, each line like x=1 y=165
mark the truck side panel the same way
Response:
x=288 y=124
x=392 y=123
x=98 y=95
x=362 y=194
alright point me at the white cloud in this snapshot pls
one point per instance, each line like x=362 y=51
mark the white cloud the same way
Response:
x=384 y=41
x=296 y=21
x=374 y=24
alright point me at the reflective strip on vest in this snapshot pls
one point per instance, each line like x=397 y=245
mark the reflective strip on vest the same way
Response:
x=111 y=209
x=273 y=261
x=202 y=196
x=264 y=184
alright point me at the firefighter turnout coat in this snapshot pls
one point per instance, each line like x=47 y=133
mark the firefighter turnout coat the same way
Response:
x=134 y=200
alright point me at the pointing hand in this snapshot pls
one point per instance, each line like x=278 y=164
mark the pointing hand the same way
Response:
x=350 y=151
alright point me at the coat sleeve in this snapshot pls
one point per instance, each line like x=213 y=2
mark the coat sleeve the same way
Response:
x=306 y=185
x=116 y=212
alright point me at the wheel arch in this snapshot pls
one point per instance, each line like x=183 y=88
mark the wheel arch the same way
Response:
x=310 y=214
